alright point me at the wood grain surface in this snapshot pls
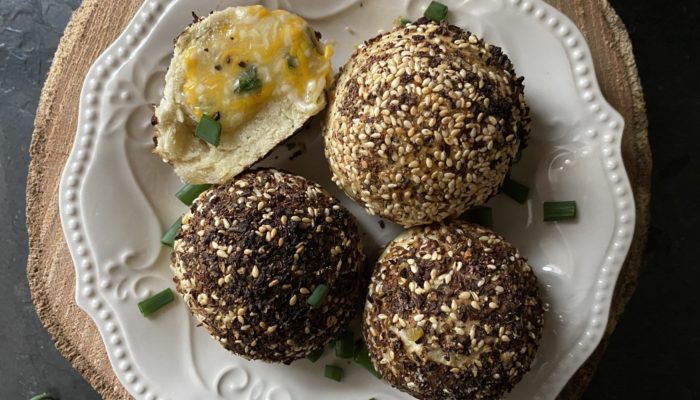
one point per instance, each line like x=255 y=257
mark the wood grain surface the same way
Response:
x=97 y=23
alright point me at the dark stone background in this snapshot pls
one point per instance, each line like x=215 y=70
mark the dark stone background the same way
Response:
x=655 y=352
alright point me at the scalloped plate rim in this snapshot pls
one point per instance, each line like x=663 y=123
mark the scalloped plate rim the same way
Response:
x=78 y=252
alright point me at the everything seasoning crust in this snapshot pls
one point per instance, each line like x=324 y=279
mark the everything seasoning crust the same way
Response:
x=453 y=312
x=424 y=123
x=250 y=253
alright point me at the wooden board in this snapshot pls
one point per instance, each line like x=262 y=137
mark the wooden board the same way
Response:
x=97 y=23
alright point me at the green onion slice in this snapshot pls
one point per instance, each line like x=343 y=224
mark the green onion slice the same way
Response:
x=316 y=354
x=333 y=372
x=480 y=215
x=318 y=296
x=344 y=345
x=168 y=238
x=190 y=191
x=209 y=130
x=436 y=11
x=42 y=396
x=404 y=21
x=559 y=210
x=362 y=358
x=248 y=81
x=515 y=190
x=292 y=62
x=155 y=302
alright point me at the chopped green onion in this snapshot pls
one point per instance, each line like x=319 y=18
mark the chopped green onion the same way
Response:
x=559 y=210
x=333 y=372
x=248 y=81
x=436 y=11
x=515 y=190
x=318 y=296
x=480 y=215
x=362 y=358
x=209 y=130
x=168 y=238
x=316 y=354
x=404 y=21
x=190 y=191
x=344 y=346
x=42 y=396
x=155 y=302
x=292 y=62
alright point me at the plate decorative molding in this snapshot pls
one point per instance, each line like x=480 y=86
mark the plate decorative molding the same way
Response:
x=115 y=198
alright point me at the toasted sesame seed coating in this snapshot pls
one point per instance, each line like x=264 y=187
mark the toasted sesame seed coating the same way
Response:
x=453 y=312
x=424 y=123
x=250 y=253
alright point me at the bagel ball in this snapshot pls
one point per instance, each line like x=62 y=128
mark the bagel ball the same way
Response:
x=251 y=252
x=424 y=123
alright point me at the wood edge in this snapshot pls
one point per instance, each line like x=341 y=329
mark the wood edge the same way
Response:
x=37 y=152
x=106 y=388
x=641 y=187
x=622 y=44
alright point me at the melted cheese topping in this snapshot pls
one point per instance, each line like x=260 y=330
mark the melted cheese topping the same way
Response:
x=282 y=49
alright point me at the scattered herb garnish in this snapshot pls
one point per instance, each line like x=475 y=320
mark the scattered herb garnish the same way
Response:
x=344 y=345
x=480 y=215
x=292 y=62
x=168 y=238
x=404 y=21
x=333 y=372
x=318 y=297
x=155 y=302
x=515 y=190
x=436 y=11
x=248 y=81
x=209 y=130
x=315 y=355
x=190 y=191
x=559 y=210
x=42 y=396
x=362 y=358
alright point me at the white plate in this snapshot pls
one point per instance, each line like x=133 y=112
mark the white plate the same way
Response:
x=116 y=198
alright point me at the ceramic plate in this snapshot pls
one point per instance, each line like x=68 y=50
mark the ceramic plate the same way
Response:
x=116 y=198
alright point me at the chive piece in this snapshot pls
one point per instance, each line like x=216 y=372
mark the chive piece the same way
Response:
x=480 y=215
x=404 y=21
x=155 y=302
x=42 y=396
x=515 y=190
x=344 y=346
x=362 y=358
x=292 y=62
x=168 y=238
x=559 y=210
x=190 y=191
x=315 y=355
x=209 y=130
x=248 y=81
x=318 y=296
x=436 y=11
x=333 y=372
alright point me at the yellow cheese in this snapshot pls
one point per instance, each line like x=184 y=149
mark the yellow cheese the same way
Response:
x=260 y=39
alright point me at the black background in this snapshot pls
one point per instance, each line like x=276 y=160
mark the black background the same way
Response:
x=655 y=351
